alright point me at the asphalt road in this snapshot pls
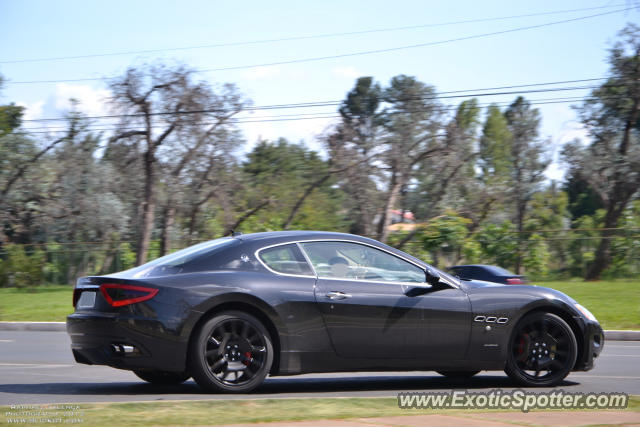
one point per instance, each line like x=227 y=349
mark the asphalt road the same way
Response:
x=37 y=367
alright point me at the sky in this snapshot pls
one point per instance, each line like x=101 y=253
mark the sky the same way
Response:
x=444 y=57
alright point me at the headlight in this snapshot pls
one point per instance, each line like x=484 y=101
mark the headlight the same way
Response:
x=586 y=313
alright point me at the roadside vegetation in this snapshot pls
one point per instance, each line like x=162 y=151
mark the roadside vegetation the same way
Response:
x=449 y=181
x=218 y=412
x=616 y=304
x=37 y=304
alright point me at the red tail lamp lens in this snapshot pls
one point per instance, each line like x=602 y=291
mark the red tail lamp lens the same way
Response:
x=118 y=295
x=515 y=281
x=76 y=295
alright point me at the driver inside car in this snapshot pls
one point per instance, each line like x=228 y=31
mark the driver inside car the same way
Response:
x=339 y=266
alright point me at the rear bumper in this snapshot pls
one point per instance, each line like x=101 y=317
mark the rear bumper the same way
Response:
x=125 y=343
x=592 y=344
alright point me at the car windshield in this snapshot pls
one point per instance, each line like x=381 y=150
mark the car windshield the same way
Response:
x=173 y=262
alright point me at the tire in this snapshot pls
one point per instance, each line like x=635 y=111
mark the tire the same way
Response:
x=230 y=353
x=162 y=377
x=541 y=342
x=458 y=374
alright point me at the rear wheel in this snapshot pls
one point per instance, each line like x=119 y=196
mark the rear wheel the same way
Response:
x=231 y=352
x=542 y=351
x=458 y=374
x=162 y=377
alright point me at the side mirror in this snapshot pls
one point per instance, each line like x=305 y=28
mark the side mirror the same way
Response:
x=432 y=277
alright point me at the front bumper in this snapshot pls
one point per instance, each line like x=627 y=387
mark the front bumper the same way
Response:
x=592 y=344
x=125 y=343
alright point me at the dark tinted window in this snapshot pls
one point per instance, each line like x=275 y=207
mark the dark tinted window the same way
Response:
x=286 y=259
x=176 y=262
x=498 y=271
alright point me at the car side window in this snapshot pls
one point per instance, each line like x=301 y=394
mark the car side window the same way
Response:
x=355 y=261
x=286 y=259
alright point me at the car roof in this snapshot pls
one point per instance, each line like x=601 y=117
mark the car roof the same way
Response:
x=278 y=237
x=293 y=235
x=473 y=265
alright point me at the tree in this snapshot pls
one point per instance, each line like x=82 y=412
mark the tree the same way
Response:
x=610 y=163
x=353 y=146
x=582 y=199
x=494 y=168
x=20 y=180
x=412 y=124
x=157 y=105
x=527 y=159
x=281 y=173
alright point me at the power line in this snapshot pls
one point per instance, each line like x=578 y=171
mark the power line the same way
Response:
x=413 y=46
x=291 y=117
x=360 y=53
x=306 y=37
x=438 y=95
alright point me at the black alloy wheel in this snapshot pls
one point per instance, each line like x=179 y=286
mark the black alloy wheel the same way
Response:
x=162 y=377
x=231 y=352
x=542 y=350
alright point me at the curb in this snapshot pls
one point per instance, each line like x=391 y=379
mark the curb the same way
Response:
x=33 y=326
x=621 y=336
x=61 y=326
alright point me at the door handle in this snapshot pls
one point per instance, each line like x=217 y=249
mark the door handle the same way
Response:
x=337 y=295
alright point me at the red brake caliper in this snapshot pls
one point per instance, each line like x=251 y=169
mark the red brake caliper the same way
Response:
x=247 y=359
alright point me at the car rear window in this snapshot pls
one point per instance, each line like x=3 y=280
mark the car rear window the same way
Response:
x=286 y=259
x=174 y=262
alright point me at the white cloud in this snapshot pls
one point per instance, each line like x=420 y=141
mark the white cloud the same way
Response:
x=294 y=131
x=261 y=72
x=33 y=110
x=92 y=102
x=572 y=131
x=348 y=71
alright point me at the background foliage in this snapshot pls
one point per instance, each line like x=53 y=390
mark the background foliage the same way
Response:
x=449 y=184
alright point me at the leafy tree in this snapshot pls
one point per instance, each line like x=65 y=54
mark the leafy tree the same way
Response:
x=353 y=146
x=10 y=116
x=487 y=193
x=447 y=179
x=611 y=162
x=444 y=237
x=527 y=159
x=159 y=105
x=547 y=216
x=498 y=243
x=537 y=256
x=412 y=124
x=582 y=199
x=280 y=172
x=21 y=268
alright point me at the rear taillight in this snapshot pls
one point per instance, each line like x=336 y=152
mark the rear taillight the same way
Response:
x=515 y=281
x=76 y=296
x=118 y=295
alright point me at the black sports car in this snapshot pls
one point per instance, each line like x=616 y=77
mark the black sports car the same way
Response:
x=487 y=273
x=231 y=311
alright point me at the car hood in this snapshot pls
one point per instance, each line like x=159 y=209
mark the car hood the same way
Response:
x=482 y=287
x=473 y=284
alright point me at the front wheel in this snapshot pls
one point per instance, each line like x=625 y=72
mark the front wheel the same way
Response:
x=162 y=377
x=231 y=352
x=542 y=350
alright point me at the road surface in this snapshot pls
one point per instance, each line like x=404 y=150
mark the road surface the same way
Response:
x=37 y=367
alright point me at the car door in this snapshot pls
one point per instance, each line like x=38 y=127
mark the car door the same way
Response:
x=362 y=292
